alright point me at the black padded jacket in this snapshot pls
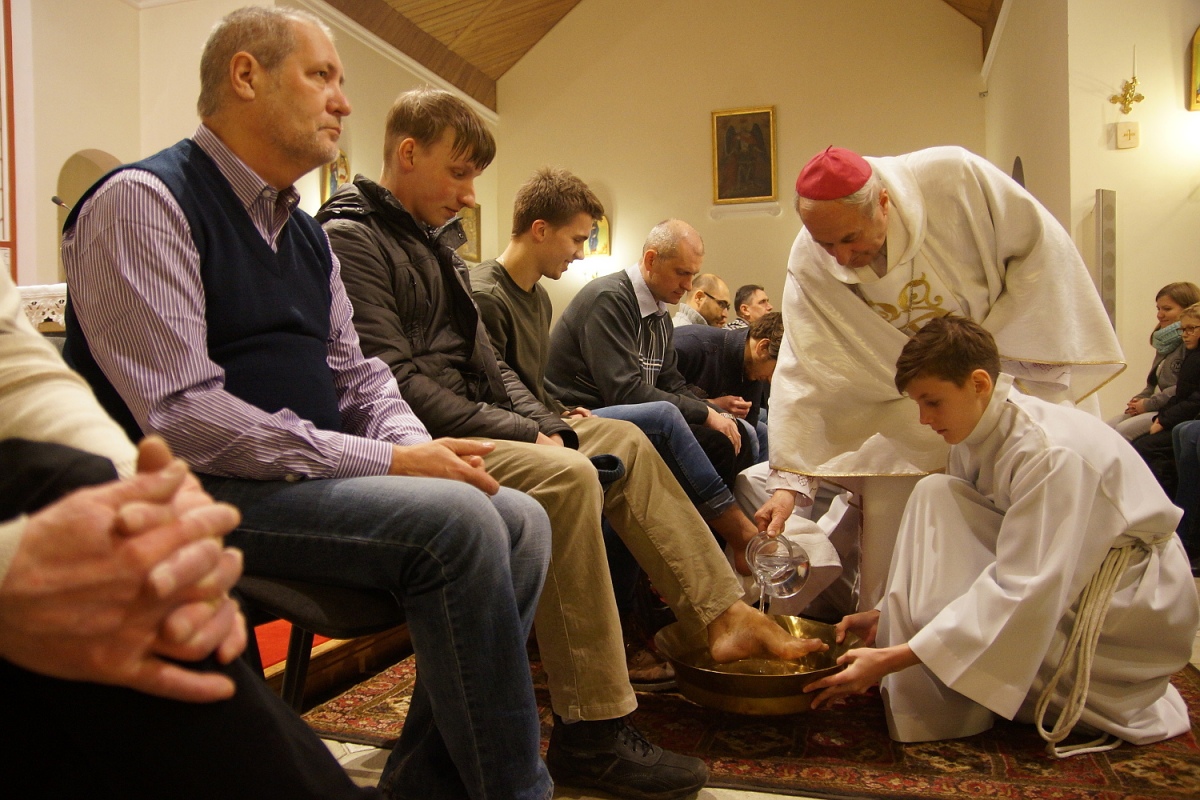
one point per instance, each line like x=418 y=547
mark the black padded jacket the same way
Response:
x=413 y=310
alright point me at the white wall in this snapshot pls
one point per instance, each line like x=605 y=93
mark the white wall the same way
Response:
x=172 y=38
x=620 y=92
x=81 y=92
x=1157 y=184
x=1028 y=101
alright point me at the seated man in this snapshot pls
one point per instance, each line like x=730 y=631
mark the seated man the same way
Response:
x=707 y=303
x=548 y=210
x=733 y=369
x=1046 y=520
x=614 y=345
x=412 y=306
x=206 y=308
x=115 y=618
x=750 y=303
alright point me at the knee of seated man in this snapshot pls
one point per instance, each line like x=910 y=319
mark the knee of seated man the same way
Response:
x=568 y=462
x=616 y=436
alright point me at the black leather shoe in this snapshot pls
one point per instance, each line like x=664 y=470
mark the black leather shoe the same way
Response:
x=613 y=756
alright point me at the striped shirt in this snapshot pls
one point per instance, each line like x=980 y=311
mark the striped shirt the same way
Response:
x=657 y=331
x=133 y=273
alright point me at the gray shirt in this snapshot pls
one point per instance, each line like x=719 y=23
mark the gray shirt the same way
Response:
x=614 y=345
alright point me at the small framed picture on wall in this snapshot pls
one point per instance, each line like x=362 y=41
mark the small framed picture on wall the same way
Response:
x=598 y=240
x=744 y=155
x=334 y=175
x=1194 y=88
x=470 y=224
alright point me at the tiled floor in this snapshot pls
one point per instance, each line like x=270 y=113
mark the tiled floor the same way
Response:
x=365 y=763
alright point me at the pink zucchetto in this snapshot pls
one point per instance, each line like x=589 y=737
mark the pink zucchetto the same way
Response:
x=833 y=174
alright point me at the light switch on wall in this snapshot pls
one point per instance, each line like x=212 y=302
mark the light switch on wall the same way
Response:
x=1127 y=135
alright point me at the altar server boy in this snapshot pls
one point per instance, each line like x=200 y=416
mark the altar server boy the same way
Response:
x=1006 y=565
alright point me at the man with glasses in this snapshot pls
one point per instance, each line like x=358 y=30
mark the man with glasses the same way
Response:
x=706 y=304
x=1157 y=446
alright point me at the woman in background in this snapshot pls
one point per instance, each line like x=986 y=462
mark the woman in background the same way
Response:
x=1156 y=446
x=1139 y=413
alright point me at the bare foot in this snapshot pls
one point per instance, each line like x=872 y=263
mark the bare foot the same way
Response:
x=743 y=632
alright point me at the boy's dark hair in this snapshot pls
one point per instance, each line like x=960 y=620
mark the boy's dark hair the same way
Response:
x=949 y=348
x=424 y=114
x=769 y=327
x=553 y=195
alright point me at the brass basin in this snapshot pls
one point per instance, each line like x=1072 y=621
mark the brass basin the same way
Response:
x=756 y=686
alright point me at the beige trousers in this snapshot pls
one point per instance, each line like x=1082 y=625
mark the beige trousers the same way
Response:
x=578 y=628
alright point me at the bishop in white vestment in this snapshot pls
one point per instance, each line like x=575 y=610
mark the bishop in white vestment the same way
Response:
x=943 y=231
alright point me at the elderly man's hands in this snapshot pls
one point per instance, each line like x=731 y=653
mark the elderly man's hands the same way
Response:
x=774 y=513
x=109 y=580
x=453 y=459
x=209 y=618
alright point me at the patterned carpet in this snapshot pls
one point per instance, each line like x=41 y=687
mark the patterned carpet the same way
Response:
x=843 y=753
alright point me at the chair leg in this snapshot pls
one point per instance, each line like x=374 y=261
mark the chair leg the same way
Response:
x=296 y=671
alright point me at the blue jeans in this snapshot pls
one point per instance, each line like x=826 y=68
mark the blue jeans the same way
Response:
x=671 y=435
x=467 y=569
x=1185 y=440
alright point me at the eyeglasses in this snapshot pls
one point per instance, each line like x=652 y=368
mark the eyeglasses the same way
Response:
x=1189 y=330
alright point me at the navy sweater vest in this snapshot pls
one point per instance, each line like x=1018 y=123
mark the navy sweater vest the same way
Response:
x=267 y=312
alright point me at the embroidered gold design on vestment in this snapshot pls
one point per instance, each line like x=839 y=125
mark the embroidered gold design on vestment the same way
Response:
x=917 y=304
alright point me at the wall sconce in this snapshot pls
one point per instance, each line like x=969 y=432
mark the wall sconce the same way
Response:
x=1129 y=93
x=592 y=267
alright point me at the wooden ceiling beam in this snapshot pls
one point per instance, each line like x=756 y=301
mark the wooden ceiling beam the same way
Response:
x=983 y=13
x=397 y=30
x=989 y=26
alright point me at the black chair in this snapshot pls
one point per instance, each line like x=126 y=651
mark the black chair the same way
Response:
x=331 y=611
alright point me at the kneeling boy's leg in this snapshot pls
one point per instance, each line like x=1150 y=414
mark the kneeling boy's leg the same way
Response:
x=947 y=537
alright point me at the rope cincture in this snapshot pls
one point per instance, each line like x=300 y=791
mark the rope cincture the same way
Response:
x=1094 y=603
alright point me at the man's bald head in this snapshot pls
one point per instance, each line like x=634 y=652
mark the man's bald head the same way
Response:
x=671 y=258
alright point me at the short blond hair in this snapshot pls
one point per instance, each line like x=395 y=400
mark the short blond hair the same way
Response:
x=424 y=114
x=268 y=34
x=665 y=238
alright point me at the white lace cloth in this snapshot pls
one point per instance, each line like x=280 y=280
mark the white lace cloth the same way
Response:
x=45 y=303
